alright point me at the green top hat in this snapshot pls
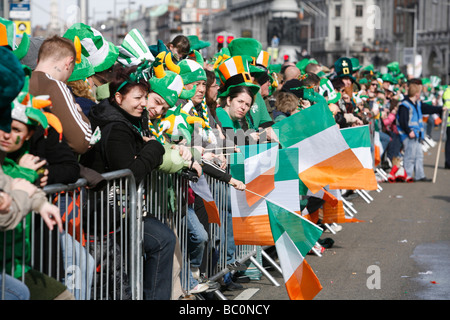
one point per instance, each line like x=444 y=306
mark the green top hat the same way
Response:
x=344 y=68
x=101 y=54
x=387 y=77
x=197 y=44
x=394 y=68
x=250 y=49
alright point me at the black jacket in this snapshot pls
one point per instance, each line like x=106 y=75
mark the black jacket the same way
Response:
x=62 y=162
x=121 y=145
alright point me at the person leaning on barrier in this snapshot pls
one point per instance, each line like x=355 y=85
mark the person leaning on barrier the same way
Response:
x=127 y=142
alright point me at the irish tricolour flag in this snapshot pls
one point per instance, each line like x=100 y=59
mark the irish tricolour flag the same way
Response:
x=358 y=139
x=294 y=237
x=256 y=165
x=324 y=155
x=251 y=223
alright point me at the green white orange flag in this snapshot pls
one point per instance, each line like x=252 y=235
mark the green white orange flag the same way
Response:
x=358 y=139
x=259 y=161
x=201 y=188
x=251 y=223
x=324 y=155
x=294 y=237
x=378 y=147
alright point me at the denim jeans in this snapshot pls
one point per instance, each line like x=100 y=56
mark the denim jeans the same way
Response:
x=196 y=243
x=159 y=248
x=14 y=289
x=78 y=259
x=413 y=158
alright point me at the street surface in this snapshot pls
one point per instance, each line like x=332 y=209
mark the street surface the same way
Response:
x=400 y=252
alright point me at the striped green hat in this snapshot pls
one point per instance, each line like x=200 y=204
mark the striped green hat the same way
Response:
x=100 y=53
x=134 y=49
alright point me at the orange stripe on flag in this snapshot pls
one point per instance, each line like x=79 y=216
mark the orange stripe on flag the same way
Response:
x=332 y=170
x=362 y=180
x=253 y=230
x=212 y=211
x=261 y=185
x=303 y=284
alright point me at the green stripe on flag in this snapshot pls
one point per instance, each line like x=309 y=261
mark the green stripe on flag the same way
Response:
x=357 y=137
x=304 y=124
x=287 y=165
x=237 y=168
x=304 y=234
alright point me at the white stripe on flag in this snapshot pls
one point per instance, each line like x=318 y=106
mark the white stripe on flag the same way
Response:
x=331 y=143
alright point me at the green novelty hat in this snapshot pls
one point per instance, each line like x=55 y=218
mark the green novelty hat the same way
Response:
x=101 y=54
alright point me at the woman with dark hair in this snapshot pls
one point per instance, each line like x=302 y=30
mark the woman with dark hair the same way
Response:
x=232 y=111
x=125 y=143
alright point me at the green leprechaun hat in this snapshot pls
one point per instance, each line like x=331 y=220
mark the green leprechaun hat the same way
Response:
x=101 y=53
x=344 y=68
x=248 y=48
x=235 y=72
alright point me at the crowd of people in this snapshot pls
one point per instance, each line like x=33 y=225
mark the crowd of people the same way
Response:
x=77 y=106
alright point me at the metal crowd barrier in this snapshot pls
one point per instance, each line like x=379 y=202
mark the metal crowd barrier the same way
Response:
x=99 y=255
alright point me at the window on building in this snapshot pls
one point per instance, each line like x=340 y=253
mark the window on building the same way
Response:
x=338 y=34
x=337 y=10
x=215 y=4
x=358 y=34
x=202 y=4
x=359 y=10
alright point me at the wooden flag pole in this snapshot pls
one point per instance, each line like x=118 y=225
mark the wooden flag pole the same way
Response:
x=443 y=128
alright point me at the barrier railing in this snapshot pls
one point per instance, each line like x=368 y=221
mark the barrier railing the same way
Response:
x=99 y=255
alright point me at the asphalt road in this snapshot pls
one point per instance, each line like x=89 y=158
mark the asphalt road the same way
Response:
x=400 y=252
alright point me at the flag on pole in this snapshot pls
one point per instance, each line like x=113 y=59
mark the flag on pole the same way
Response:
x=294 y=237
x=251 y=223
x=201 y=188
x=324 y=155
x=358 y=139
x=259 y=161
x=378 y=147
